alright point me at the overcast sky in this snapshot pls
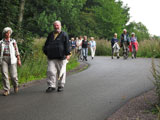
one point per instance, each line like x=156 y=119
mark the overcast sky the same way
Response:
x=147 y=12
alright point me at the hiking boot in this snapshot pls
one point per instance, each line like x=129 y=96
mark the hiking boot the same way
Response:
x=16 y=89
x=50 y=89
x=6 y=93
x=60 y=89
x=86 y=58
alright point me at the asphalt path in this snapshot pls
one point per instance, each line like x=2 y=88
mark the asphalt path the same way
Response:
x=93 y=94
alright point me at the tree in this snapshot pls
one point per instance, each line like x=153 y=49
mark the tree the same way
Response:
x=21 y=12
x=139 y=29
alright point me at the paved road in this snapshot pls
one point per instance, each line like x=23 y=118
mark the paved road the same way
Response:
x=93 y=94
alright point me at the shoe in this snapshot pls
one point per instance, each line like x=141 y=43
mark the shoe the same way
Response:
x=117 y=57
x=60 y=89
x=6 y=93
x=86 y=58
x=15 y=89
x=92 y=58
x=50 y=89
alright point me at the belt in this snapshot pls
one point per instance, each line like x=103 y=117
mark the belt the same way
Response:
x=6 y=54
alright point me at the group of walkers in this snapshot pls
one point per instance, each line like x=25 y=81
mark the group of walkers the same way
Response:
x=80 y=47
x=57 y=48
x=128 y=44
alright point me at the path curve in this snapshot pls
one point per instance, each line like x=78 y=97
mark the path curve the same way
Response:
x=93 y=94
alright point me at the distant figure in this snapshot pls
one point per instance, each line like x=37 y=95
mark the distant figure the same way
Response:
x=57 y=50
x=79 y=48
x=134 y=45
x=9 y=59
x=115 y=46
x=85 y=44
x=92 y=44
x=73 y=43
x=124 y=43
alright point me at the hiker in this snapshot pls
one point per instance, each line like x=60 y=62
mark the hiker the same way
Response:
x=92 y=44
x=57 y=50
x=9 y=59
x=133 y=47
x=124 y=43
x=85 y=44
x=79 y=47
x=115 y=46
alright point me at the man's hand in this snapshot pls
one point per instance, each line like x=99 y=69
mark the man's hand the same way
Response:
x=68 y=57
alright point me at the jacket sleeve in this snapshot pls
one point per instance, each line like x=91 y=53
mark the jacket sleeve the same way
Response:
x=16 y=48
x=66 y=44
x=46 y=44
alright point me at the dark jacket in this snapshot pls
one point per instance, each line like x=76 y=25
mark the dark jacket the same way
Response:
x=85 y=44
x=122 y=38
x=113 y=41
x=58 y=48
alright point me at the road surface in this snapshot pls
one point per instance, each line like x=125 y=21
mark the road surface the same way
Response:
x=93 y=94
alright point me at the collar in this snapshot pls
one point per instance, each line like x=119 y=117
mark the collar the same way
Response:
x=7 y=40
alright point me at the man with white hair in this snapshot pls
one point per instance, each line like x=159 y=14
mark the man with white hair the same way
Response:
x=9 y=57
x=124 y=43
x=57 y=50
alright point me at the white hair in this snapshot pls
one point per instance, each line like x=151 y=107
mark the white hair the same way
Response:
x=115 y=33
x=6 y=29
x=124 y=30
x=57 y=21
x=133 y=33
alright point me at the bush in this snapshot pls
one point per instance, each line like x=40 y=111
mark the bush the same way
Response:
x=156 y=75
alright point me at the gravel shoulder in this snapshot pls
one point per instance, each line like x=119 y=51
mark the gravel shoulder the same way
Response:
x=137 y=108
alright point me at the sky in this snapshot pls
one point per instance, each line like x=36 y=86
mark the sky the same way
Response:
x=147 y=12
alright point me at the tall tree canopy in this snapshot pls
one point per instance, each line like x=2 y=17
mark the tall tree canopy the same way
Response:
x=139 y=29
x=99 y=18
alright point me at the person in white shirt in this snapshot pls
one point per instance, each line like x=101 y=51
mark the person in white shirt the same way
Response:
x=92 y=46
x=9 y=58
x=79 y=47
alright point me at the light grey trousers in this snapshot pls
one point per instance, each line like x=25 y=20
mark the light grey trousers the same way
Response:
x=93 y=50
x=7 y=68
x=55 y=68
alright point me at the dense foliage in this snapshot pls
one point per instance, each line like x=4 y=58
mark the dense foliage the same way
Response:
x=139 y=29
x=98 y=18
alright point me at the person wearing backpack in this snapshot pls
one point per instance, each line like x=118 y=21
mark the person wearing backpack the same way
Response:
x=9 y=58
x=57 y=50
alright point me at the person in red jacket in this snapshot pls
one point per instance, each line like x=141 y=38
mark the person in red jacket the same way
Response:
x=133 y=47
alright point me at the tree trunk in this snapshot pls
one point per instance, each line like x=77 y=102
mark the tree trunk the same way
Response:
x=21 y=12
